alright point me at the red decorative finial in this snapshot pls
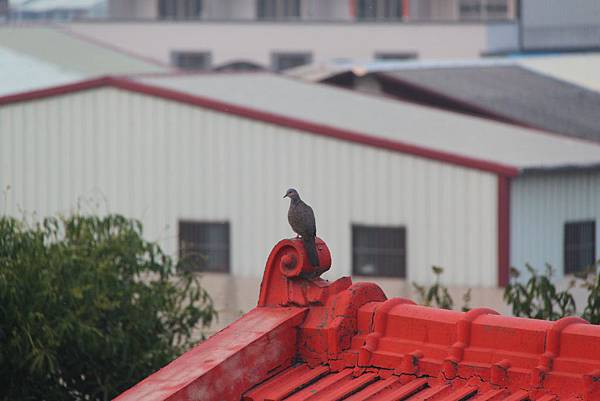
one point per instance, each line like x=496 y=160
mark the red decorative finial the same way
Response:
x=291 y=279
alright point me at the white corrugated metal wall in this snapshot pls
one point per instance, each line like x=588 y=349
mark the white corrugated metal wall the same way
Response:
x=559 y=24
x=161 y=161
x=541 y=204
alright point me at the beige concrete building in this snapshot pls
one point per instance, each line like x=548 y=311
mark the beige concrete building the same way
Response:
x=279 y=34
x=305 y=10
x=280 y=45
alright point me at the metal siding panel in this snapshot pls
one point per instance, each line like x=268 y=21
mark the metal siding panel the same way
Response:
x=397 y=121
x=540 y=206
x=489 y=233
x=161 y=161
x=8 y=161
x=470 y=234
x=464 y=229
x=21 y=169
x=558 y=24
x=418 y=270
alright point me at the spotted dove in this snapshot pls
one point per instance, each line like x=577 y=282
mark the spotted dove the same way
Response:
x=302 y=220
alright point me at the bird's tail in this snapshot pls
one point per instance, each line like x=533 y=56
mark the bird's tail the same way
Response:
x=311 y=249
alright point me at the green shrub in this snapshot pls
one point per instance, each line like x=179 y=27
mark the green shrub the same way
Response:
x=538 y=298
x=591 y=282
x=438 y=295
x=88 y=308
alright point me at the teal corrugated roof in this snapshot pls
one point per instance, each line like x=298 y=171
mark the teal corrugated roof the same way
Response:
x=20 y=72
x=67 y=52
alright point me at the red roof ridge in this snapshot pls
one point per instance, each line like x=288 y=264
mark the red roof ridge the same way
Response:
x=131 y=85
x=311 y=339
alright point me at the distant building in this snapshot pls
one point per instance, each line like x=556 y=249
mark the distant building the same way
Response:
x=556 y=25
x=280 y=45
x=3 y=8
x=311 y=10
x=280 y=34
x=276 y=34
x=203 y=161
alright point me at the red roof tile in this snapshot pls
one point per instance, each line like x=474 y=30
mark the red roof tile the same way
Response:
x=310 y=339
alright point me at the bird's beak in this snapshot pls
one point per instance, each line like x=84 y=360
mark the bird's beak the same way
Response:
x=285 y=196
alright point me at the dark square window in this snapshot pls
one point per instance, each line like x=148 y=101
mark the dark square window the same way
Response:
x=370 y=10
x=191 y=60
x=379 y=251
x=395 y=56
x=283 y=61
x=277 y=9
x=479 y=9
x=580 y=245
x=265 y=9
x=179 y=9
x=204 y=246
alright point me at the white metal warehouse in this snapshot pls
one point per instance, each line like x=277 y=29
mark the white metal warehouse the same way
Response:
x=464 y=193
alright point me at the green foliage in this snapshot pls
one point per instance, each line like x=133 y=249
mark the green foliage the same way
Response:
x=591 y=282
x=438 y=295
x=466 y=301
x=88 y=308
x=539 y=298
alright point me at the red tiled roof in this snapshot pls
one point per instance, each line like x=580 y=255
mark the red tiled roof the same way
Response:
x=310 y=339
x=301 y=383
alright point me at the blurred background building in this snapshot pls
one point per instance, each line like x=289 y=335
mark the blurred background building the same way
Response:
x=397 y=187
x=439 y=132
x=207 y=33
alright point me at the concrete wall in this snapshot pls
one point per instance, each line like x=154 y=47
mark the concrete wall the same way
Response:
x=441 y=10
x=447 y=10
x=229 y=9
x=326 y=41
x=331 y=10
x=540 y=206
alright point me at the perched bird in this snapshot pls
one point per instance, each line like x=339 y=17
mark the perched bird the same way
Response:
x=302 y=220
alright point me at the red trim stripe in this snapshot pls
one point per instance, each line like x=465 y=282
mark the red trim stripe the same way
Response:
x=56 y=90
x=503 y=230
x=319 y=129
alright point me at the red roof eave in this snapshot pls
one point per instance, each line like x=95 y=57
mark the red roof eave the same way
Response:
x=310 y=339
x=276 y=119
